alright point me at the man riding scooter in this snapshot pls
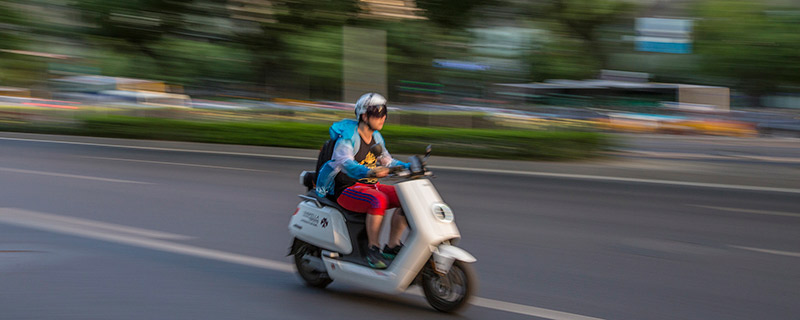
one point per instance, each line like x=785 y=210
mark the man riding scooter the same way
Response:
x=350 y=177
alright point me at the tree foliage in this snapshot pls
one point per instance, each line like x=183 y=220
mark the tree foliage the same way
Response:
x=745 y=41
x=9 y=19
x=139 y=22
x=451 y=14
x=583 y=18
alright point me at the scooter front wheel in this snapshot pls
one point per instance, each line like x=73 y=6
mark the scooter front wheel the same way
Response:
x=452 y=291
x=310 y=275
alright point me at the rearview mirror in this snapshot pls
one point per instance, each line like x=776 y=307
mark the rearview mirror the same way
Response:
x=427 y=153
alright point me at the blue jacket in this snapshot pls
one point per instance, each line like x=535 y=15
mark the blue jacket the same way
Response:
x=347 y=143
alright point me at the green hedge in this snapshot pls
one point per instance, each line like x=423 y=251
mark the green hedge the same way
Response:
x=474 y=143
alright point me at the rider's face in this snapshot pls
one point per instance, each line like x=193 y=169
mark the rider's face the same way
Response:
x=376 y=122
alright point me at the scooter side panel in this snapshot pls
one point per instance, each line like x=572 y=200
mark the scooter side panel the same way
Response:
x=419 y=199
x=427 y=212
x=324 y=227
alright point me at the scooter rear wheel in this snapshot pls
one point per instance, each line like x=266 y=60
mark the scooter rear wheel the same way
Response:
x=451 y=292
x=310 y=275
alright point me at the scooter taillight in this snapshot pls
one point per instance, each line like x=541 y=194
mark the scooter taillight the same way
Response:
x=295 y=211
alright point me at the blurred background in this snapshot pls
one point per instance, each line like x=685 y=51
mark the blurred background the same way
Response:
x=726 y=67
x=694 y=215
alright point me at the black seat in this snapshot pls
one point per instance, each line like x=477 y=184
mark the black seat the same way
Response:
x=349 y=216
x=309 y=179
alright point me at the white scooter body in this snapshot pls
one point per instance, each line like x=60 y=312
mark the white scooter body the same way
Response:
x=432 y=233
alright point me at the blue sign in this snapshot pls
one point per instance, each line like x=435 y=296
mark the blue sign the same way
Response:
x=460 y=65
x=663 y=35
x=665 y=47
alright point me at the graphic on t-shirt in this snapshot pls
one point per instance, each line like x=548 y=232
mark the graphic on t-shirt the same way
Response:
x=371 y=162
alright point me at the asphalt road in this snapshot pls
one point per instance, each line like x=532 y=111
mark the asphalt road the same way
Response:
x=98 y=231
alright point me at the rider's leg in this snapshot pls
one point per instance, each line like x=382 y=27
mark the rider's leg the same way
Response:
x=399 y=222
x=399 y=225
x=362 y=198
x=374 y=229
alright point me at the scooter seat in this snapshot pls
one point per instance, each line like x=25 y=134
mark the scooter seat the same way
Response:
x=350 y=216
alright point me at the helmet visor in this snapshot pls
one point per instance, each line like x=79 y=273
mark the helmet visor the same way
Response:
x=377 y=111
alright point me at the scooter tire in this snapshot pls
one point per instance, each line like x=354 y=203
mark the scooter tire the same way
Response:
x=451 y=292
x=311 y=277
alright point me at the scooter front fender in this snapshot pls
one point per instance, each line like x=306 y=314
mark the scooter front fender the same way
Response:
x=445 y=254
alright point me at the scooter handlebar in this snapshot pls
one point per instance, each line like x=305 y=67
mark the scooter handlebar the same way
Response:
x=402 y=172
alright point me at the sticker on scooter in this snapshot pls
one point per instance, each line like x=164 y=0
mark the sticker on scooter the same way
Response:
x=311 y=219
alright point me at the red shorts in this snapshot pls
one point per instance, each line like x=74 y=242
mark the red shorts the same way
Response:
x=369 y=198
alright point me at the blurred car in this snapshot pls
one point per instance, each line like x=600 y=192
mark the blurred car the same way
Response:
x=640 y=123
x=572 y=117
x=769 y=123
x=719 y=127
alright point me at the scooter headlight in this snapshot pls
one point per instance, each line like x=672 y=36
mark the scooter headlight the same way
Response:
x=442 y=212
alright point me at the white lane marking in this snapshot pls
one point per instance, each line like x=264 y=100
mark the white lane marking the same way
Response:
x=778 y=252
x=515 y=308
x=164 y=149
x=22 y=218
x=37 y=218
x=64 y=175
x=607 y=178
x=528 y=310
x=766 y=212
x=178 y=164
x=678 y=155
x=108 y=232
x=512 y=172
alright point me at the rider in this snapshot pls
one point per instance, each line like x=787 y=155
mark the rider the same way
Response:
x=351 y=176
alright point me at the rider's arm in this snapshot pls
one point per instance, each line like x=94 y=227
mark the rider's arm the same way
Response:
x=343 y=157
x=386 y=159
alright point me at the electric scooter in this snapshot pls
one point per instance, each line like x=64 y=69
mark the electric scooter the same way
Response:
x=330 y=243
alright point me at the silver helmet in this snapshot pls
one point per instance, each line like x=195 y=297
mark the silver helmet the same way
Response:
x=371 y=104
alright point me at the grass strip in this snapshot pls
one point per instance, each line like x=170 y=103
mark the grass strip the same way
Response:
x=455 y=142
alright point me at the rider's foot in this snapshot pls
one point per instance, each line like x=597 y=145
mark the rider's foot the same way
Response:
x=375 y=258
x=391 y=253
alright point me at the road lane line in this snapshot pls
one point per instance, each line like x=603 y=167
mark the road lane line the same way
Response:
x=621 y=179
x=777 y=252
x=528 y=310
x=178 y=164
x=38 y=218
x=164 y=149
x=515 y=308
x=22 y=218
x=765 y=212
x=64 y=175
x=511 y=172
x=679 y=155
x=101 y=231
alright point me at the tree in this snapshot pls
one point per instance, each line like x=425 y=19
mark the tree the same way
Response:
x=9 y=20
x=584 y=17
x=138 y=22
x=450 y=14
x=756 y=49
x=581 y=20
x=301 y=43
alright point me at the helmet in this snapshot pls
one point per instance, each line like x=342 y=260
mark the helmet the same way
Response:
x=372 y=104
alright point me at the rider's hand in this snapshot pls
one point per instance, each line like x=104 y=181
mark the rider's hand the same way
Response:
x=379 y=172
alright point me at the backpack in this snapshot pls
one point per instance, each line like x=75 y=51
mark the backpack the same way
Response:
x=325 y=155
